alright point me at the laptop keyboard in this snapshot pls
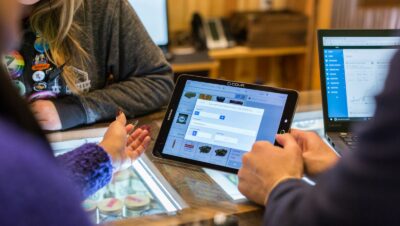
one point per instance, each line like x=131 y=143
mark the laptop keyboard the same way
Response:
x=351 y=140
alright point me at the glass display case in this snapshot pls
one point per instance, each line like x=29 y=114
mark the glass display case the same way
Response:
x=139 y=191
x=310 y=121
x=142 y=190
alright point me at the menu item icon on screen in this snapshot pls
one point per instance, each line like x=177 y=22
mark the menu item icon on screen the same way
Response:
x=221 y=99
x=182 y=119
x=205 y=97
x=205 y=149
x=190 y=95
x=221 y=152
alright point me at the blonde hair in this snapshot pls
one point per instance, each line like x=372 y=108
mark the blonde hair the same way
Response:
x=54 y=21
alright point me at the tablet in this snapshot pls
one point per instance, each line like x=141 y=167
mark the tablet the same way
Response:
x=212 y=123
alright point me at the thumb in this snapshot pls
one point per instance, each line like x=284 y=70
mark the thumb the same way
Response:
x=121 y=118
x=298 y=134
x=287 y=141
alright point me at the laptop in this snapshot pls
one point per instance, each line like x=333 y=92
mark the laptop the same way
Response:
x=154 y=16
x=354 y=67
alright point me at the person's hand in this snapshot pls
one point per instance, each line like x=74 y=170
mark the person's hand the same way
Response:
x=122 y=149
x=317 y=155
x=266 y=165
x=46 y=114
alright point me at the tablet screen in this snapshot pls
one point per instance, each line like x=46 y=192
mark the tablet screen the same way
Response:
x=217 y=124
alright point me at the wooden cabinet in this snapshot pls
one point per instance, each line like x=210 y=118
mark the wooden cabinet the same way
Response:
x=291 y=67
x=181 y=11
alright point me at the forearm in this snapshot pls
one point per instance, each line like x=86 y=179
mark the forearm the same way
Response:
x=135 y=96
x=70 y=111
x=89 y=167
x=284 y=207
x=345 y=195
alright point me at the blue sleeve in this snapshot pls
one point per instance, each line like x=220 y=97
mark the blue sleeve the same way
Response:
x=89 y=166
x=363 y=188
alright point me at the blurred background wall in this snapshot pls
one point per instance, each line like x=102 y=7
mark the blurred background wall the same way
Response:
x=350 y=14
x=280 y=46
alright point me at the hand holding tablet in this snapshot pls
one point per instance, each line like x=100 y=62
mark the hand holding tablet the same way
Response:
x=212 y=123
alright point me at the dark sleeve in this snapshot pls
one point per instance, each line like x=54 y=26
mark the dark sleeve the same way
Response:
x=363 y=189
x=142 y=77
x=70 y=111
x=89 y=167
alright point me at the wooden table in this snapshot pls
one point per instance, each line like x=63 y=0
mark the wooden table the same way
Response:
x=201 y=193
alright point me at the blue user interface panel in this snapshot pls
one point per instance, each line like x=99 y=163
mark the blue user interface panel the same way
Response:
x=217 y=124
x=356 y=69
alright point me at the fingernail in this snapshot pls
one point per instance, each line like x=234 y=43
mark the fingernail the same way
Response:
x=146 y=127
x=136 y=123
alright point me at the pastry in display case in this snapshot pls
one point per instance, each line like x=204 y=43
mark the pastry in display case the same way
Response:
x=138 y=191
x=109 y=209
x=126 y=196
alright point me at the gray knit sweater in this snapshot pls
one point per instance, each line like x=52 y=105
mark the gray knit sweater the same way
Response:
x=119 y=45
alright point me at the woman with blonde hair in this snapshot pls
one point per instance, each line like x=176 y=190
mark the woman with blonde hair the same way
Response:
x=82 y=60
x=37 y=188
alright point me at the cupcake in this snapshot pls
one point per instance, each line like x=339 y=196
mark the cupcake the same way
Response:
x=135 y=204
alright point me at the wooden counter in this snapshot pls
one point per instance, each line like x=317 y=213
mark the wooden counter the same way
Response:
x=246 y=52
x=271 y=65
x=200 y=192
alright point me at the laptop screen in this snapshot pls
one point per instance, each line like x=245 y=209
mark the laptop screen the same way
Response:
x=355 y=72
x=154 y=16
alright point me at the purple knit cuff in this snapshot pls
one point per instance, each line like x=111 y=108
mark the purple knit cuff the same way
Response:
x=89 y=166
